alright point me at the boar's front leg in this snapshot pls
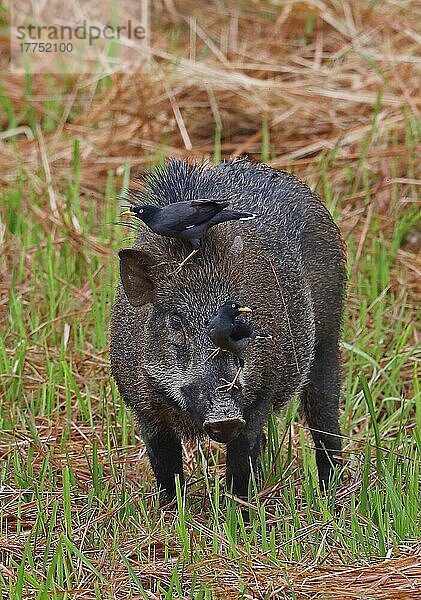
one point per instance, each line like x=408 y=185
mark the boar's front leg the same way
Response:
x=244 y=452
x=165 y=456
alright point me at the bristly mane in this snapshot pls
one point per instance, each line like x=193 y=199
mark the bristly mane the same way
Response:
x=178 y=181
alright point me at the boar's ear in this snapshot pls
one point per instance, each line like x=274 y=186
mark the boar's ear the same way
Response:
x=136 y=276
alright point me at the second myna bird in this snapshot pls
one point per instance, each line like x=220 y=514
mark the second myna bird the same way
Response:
x=231 y=334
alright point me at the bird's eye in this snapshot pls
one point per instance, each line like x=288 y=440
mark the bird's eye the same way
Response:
x=233 y=306
x=141 y=210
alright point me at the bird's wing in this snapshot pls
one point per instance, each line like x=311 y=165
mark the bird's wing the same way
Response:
x=185 y=215
x=211 y=323
x=241 y=330
x=217 y=203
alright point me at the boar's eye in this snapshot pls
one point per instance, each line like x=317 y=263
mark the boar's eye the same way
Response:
x=177 y=335
x=176 y=323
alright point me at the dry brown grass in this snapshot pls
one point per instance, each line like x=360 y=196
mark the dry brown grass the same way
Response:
x=315 y=95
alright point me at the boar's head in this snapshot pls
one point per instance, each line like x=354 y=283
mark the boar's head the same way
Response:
x=171 y=313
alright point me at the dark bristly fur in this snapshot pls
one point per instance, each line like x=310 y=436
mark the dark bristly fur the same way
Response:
x=289 y=264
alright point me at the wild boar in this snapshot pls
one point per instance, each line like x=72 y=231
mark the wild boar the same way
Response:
x=288 y=264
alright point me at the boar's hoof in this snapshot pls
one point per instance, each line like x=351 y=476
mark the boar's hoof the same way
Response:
x=224 y=431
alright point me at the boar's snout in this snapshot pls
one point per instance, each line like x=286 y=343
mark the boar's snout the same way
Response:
x=224 y=431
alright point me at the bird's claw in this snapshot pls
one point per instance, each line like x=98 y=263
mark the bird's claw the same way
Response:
x=228 y=385
x=213 y=353
x=181 y=265
x=231 y=384
x=178 y=269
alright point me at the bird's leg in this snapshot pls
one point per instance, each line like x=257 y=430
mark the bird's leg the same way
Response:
x=213 y=353
x=231 y=384
x=181 y=265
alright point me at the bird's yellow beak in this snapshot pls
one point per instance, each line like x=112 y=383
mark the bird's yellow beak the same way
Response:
x=245 y=309
x=127 y=213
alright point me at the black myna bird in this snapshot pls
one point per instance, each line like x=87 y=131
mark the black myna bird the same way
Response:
x=188 y=220
x=231 y=334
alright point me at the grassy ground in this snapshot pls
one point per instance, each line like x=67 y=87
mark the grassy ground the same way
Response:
x=79 y=516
